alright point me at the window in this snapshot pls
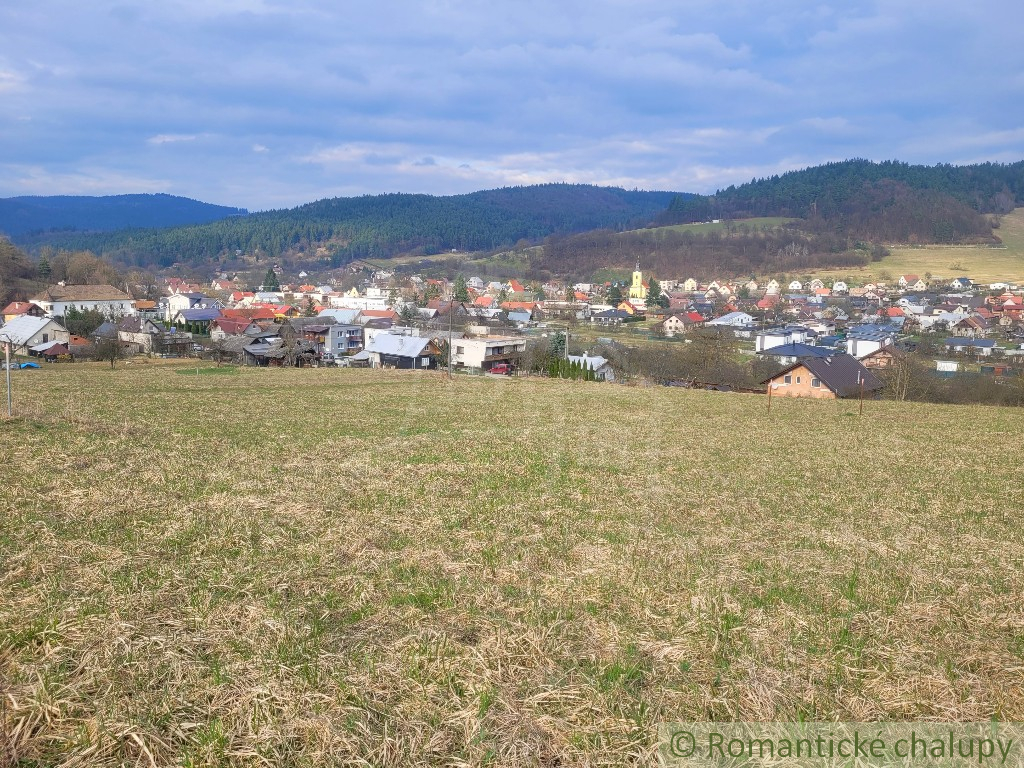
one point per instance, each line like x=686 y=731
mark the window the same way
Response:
x=459 y=350
x=787 y=379
x=815 y=383
x=46 y=337
x=797 y=379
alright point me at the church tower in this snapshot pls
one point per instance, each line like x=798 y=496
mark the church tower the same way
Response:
x=637 y=289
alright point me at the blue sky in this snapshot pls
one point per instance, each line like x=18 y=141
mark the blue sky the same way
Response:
x=267 y=104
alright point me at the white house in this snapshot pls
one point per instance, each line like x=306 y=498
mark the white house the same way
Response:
x=840 y=287
x=862 y=341
x=732 y=319
x=600 y=366
x=485 y=352
x=27 y=331
x=776 y=337
x=57 y=299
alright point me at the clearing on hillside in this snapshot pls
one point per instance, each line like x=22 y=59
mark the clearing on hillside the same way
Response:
x=310 y=567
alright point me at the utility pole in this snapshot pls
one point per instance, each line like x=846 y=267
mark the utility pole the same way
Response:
x=7 y=370
x=451 y=350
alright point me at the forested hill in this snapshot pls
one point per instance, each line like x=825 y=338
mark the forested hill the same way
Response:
x=381 y=225
x=20 y=216
x=889 y=201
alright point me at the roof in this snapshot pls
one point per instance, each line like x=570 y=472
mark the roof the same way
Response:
x=24 y=327
x=19 y=308
x=982 y=343
x=842 y=374
x=795 y=349
x=198 y=315
x=401 y=346
x=82 y=293
x=593 y=362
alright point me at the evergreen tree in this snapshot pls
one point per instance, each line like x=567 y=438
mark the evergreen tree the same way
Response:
x=614 y=295
x=461 y=291
x=270 y=281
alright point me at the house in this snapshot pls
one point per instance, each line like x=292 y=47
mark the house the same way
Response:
x=387 y=350
x=19 y=308
x=484 y=353
x=602 y=369
x=679 y=323
x=840 y=287
x=862 y=340
x=224 y=327
x=796 y=285
x=772 y=287
x=733 y=319
x=785 y=354
x=971 y=327
x=979 y=347
x=775 y=337
x=609 y=317
x=882 y=357
x=137 y=334
x=57 y=299
x=830 y=378
x=28 y=331
x=961 y=283
x=196 y=320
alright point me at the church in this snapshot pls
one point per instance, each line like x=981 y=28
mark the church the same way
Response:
x=638 y=290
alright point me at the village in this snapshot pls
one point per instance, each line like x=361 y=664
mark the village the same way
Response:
x=825 y=340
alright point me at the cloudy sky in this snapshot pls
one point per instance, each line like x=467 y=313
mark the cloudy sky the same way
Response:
x=273 y=103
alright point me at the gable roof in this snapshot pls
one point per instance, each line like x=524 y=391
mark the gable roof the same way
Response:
x=842 y=374
x=24 y=327
x=82 y=293
x=401 y=346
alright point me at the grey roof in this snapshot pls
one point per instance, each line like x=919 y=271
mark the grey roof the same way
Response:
x=198 y=315
x=347 y=316
x=22 y=328
x=401 y=346
x=983 y=343
x=593 y=362
x=794 y=349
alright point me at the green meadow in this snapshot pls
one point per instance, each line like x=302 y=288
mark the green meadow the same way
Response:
x=345 y=567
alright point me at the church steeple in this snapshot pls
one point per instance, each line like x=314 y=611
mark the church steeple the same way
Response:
x=637 y=289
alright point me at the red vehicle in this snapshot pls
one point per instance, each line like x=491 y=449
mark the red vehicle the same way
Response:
x=502 y=369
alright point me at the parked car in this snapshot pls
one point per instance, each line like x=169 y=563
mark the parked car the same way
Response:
x=502 y=369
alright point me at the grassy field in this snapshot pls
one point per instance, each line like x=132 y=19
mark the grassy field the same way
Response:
x=722 y=226
x=987 y=265
x=326 y=567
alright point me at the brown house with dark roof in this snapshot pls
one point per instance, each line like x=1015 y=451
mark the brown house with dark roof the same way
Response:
x=827 y=378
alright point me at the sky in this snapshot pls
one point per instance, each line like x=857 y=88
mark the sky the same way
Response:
x=270 y=104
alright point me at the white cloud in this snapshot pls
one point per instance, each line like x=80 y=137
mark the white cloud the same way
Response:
x=171 y=138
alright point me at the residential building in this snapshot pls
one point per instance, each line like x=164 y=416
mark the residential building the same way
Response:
x=57 y=299
x=483 y=353
x=833 y=377
x=28 y=331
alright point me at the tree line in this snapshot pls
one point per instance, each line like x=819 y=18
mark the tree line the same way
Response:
x=743 y=251
x=889 y=201
x=340 y=230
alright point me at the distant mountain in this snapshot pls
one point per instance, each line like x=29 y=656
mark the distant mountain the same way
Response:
x=343 y=229
x=21 y=216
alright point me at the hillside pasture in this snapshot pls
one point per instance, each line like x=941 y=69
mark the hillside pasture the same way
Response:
x=1004 y=263
x=343 y=567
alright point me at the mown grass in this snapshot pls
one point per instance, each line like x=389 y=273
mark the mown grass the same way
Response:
x=316 y=567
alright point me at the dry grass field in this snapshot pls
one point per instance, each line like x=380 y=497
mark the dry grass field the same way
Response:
x=987 y=265
x=330 y=567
